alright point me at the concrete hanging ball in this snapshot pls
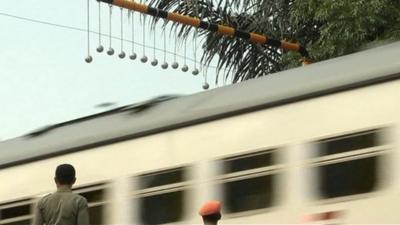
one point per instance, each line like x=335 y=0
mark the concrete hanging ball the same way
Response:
x=185 y=68
x=100 y=48
x=89 y=59
x=133 y=56
x=121 y=55
x=195 y=72
x=143 y=59
x=110 y=51
x=154 y=62
x=175 y=65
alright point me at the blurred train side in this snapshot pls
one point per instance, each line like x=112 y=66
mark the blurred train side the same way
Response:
x=294 y=148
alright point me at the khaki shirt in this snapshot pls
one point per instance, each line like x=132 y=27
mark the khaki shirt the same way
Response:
x=62 y=208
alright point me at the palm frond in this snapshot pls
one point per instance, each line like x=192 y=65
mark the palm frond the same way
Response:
x=235 y=57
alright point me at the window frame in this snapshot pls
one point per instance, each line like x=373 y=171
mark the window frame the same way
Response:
x=378 y=152
x=137 y=193
x=15 y=203
x=104 y=202
x=276 y=168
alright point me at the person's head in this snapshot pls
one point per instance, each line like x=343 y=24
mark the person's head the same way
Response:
x=65 y=175
x=211 y=212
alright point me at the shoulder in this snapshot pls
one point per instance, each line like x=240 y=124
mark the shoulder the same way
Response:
x=44 y=199
x=80 y=199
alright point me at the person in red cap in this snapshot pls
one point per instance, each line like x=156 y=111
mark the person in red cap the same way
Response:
x=211 y=212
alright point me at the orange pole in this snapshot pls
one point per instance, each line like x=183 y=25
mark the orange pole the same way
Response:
x=225 y=30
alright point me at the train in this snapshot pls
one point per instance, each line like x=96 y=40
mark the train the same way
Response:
x=314 y=144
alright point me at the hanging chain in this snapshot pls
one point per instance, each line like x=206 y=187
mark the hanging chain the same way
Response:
x=133 y=55
x=99 y=23
x=89 y=58
x=155 y=61
x=144 y=34
x=110 y=49
x=122 y=32
x=109 y=20
x=154 y=42
x=195 y=70
x=165 y=42
x=144 y=57
x=122 y=53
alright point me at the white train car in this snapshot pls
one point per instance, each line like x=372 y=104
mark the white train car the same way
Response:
x=317 y=144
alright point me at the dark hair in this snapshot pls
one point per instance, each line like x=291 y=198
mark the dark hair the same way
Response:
x=65 y=174
x=212 y=218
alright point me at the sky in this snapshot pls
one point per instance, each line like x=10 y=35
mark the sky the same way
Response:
x=45 y=80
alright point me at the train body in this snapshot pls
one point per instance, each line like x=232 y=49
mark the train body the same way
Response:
x=317 y=144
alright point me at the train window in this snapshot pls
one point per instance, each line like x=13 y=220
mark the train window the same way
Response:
x=96 y=195
x=161 y=196
x=161 y=178
x=349 y=165
x=93 y=196
x=248 y=161
x=16 y=212
x=248 y=181
x=348 y=143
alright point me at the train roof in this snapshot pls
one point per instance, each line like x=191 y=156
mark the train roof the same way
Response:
x=165 y=113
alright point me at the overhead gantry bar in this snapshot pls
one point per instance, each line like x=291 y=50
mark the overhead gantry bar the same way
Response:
x=221 y=29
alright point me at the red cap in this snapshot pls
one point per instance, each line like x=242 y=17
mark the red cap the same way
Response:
x=210 y=208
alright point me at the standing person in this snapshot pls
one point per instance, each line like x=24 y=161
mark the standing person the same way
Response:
x=211 y=212
x=62 y=207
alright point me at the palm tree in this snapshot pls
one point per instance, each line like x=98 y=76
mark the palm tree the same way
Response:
x=328 y=28
x=244 y=59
